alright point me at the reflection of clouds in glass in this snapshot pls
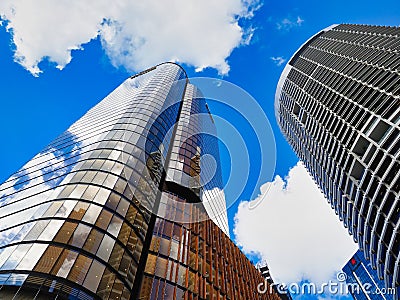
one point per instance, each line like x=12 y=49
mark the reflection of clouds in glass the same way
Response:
x=14 y=234
x=10 y=195
x=15 y=279
x=15 y=257
x=62 y=153
x=5 y=253
x=51 y=230
x=47 y=169
x=14 y=214
x=105 y=248
x=214 y=203
x=28 y=194
x=67 y=264
x=55 y=162
x=9 y=234
x=32 y=257
x=115 y=226
x=22 y=181
x=92 y=213
x=66 y=208
x=80 y=235
x=36 y=230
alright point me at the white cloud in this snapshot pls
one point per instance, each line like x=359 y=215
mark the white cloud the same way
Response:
x=278 y=60
x=247 y=36
x=135 y=34
x=288 y=23
x=292 y=227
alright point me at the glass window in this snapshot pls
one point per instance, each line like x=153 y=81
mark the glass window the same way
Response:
x=138 y=246
x=104 y=219
x=55 y=206
x=151 y=264
x=115 y=226
x=146 y=288
x=79 y=210
x=80 y=235
x=102 y=196
x=66 y=191
x=120 y=186
x=116 y=256
x=106 y=247
x=106 y=283
x=161 y=267
x=164 y=246
x=51 y=229
x=48 y=259
x=155 y=244
x=65 y=232
x=78 y=191
x=180 y=294
x=169 y=291
x=93 y=241
x=92 y=213
x=167 y=228
x=174 y=249
x=36 y=230
x=192 y=260
x=80 y=268
x=192 y=281
x=123 y=207
x=177 y=232
x=90 y=192
x=131 y=215
x=66 y=208
x=181 y=280
x=110 y=181
x=124 y=233
x=64 y=263
x=117 y=289
x=31 y=257
x=89 y=177
x=113 y=200
x=125 y=263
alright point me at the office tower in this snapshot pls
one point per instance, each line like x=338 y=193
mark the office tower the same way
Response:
x=363 y=282
x=337 y=103
x=113 y=208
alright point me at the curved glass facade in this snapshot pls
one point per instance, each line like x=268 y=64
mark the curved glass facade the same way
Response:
x=79 y=221
x=338 y=104
x=195 y=159
x=79 y=211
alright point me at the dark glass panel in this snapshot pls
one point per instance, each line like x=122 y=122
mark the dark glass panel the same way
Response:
x=93 y=241
x=48 y=259
x=80 y=269
x=65 y=232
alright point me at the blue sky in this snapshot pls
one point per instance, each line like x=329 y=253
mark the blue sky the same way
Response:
x=36 y=109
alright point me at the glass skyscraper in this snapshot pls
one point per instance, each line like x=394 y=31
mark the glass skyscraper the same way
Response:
x=338 y=104
x=122 y=206
x=363 y=282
